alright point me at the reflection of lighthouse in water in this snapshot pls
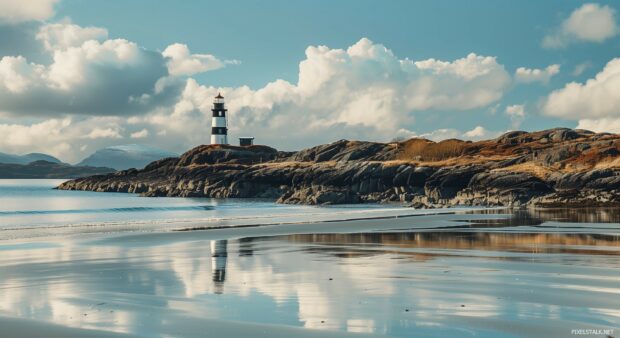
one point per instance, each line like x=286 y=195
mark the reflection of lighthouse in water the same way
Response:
x=219 y=255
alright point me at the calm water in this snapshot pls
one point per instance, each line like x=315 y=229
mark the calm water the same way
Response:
x=482 y=274
x=30 y=208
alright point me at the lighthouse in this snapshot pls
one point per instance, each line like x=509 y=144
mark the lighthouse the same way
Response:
x=219 y=122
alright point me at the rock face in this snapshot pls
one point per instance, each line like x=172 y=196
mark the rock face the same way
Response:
x=544 y=168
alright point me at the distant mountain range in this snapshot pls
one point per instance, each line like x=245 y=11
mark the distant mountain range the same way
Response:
x=106 y=160
x=125 y=156
x=28 y=158
x=44 y=169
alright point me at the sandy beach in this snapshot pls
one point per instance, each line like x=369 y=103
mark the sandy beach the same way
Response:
x=452 y=274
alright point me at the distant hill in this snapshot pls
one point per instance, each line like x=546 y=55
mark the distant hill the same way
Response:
x=125 y=156
x=25 y=159
x=44 y=169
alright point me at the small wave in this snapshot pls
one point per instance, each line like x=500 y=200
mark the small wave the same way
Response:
x=106 y=210
x=213 y=222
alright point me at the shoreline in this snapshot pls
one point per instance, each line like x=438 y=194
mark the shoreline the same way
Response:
x=312 y=216
x=237 y=224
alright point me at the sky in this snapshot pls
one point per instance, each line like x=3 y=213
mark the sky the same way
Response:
x=79 y=75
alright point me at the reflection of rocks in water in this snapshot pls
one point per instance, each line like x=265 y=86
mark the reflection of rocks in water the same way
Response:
x=539 y=216
x=517 y=218
x=219 y=255
x=367 y=244
x=476 y=233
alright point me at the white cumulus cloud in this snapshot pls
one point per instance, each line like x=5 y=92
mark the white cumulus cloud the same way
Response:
x=589 y=23
x=76 y=65
x=182 y=62
x=16 y=74
x=104 y=133
x=88 y=74
x=477 y=132
x=529 y=75
x=609 y=125
x=58 y=36
x=364 y=91
x=14 y=11
x=596 y=98
x=140 y=134
x=516 y=113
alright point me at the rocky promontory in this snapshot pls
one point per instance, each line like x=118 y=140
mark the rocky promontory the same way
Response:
x=550 y=168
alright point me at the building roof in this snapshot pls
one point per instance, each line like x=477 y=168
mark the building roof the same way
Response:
x=246 y=137
x=219 y=96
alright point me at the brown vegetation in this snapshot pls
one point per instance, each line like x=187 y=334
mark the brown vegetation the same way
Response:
x=425 y=150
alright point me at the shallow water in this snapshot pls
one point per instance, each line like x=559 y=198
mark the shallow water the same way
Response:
x=489 y=274
x=32 y=208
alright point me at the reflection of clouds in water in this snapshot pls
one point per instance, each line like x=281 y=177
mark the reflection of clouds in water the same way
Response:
x=75 y=286
x=314 y=307
x=361 y=325
x=12 y=299
x=68 y=313
x=586 y=288
x=193 y=268
x=283 y=277
x=608 y=312
x=374 y=284
x=371 y=285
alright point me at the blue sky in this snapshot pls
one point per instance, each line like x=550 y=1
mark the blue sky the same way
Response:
x=270 y=37
x=268 y=40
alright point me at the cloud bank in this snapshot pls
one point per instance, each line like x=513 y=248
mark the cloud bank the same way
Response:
x=362 y=91
x=123 y=92
x=74 y=89
x=88 y=75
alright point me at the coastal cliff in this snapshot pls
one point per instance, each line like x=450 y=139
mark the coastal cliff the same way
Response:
x=556 y=167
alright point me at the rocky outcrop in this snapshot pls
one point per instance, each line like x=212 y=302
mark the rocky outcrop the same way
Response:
x=344 y=150
x=518 y=168
x=502 y=189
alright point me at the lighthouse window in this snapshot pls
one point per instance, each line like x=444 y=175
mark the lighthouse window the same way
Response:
x=220 y=113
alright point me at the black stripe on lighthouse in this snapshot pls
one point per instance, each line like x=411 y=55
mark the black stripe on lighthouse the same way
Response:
x=219 y=112
x=219 y=130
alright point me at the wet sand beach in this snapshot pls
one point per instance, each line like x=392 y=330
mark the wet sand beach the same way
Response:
x=483 y=274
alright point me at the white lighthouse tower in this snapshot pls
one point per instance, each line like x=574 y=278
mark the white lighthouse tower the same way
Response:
x=219 y=122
